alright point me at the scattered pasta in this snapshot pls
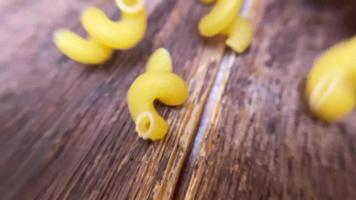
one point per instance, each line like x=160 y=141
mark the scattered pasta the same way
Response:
x=158 y=82
x=331 y=84
x=104 y=34
x=223 y=19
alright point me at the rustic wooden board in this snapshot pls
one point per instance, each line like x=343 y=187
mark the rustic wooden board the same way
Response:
x=65 y=130
x=261 y=142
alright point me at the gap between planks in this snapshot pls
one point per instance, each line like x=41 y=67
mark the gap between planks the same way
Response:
x=215 y=93
x=214 y=97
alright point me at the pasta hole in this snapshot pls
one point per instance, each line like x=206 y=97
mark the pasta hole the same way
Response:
x=130 y=6
x=147 y=125
x=144 y=125
x=131 y=2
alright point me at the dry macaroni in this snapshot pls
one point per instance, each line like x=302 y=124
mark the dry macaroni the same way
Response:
x=104 y=34
x=223 y=19
x=331 y=84
x=158 y=82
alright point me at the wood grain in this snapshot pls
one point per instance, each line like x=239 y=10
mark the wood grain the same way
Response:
x=261 y=142
x=65 y=129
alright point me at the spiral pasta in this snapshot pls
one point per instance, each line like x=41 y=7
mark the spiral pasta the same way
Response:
x=104 y=34
x=223 y=19
x=158 y=82
x=331 y=84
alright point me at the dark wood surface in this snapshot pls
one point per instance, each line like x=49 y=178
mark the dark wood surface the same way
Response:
x=65 y=131
x=261 y=142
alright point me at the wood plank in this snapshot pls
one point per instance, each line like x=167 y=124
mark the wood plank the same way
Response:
x=261 y=142
x=65 y=129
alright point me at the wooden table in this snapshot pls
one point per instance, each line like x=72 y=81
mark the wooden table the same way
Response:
x=245 y=132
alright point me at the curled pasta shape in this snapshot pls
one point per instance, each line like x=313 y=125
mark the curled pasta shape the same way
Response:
x=157 y=83
x=223 y=19
x=331 y=84
x=104 y=34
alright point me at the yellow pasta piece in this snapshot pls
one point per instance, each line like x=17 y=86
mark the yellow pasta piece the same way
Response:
x=331 y=84
x=104 y=34
x=224 y=19
x=157 y=83
x=240 y=35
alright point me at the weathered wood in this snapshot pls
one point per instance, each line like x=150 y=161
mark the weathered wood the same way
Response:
x=262 y=143
x=65 y=130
